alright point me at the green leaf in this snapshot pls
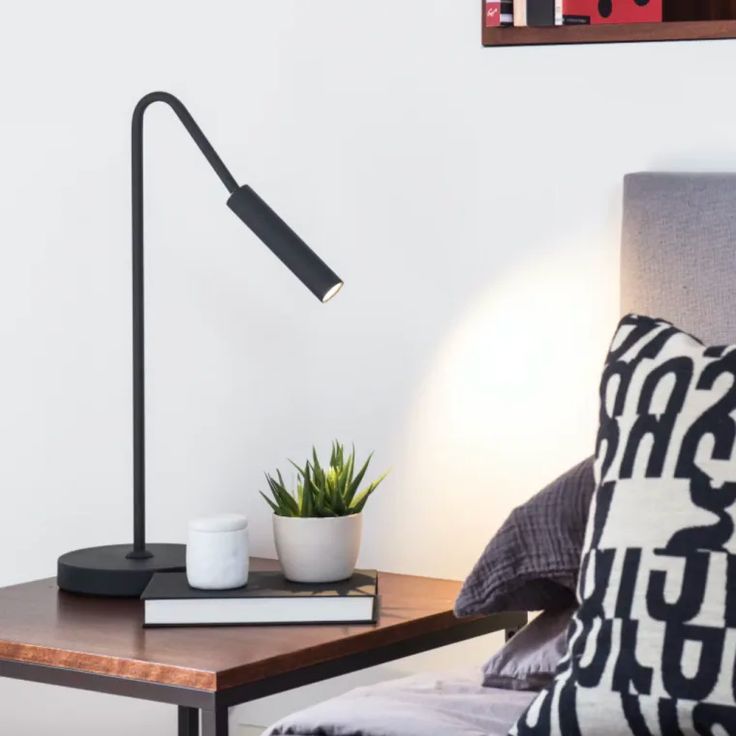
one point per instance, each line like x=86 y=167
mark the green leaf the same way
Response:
x=337 y=455
x=286 y=501
x=343 y=479
x=308 y=505
x=300 y=498
x=274 y=486
x=358 y=478
x=281 y=480
x=298 y=469
x=359 y=501
x=275 y=508
x=308 y=509
x=315 y=461
x=338 y=503
x=323 y=490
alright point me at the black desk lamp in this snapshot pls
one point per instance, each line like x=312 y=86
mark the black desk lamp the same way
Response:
x=122 y=570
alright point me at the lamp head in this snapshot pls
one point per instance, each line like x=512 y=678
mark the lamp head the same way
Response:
x=294 y=253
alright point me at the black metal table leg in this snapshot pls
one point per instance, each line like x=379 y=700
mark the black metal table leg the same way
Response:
x=188 y=721
x=214 y=722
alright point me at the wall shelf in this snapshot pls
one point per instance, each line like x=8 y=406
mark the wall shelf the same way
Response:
x=630 y=33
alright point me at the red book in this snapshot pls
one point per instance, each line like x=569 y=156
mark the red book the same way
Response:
x=499 y=13
x=613 y=11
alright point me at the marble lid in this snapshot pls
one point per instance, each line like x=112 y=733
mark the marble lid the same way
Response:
x=219 y=523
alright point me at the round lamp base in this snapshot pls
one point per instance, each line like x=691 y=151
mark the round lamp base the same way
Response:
x=107 y=571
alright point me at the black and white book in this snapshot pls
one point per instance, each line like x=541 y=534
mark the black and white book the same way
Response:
x=268 y=598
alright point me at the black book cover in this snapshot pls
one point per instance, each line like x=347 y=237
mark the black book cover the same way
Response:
x=540 y=12
x=174 y=586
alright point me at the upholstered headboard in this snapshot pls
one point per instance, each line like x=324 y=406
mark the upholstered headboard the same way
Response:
x=678 y=251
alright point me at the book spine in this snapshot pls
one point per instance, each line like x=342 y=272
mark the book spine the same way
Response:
x=583 y=12
x=540 y=13
x=558 y=13
x=520 y=12
x=507 y=12
x=499 y=13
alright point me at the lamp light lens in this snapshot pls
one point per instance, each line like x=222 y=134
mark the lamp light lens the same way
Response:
x=332 y=291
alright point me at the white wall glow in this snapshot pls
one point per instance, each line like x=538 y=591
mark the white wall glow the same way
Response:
x=509 y=400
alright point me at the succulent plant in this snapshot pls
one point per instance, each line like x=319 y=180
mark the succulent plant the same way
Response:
x=323 y=491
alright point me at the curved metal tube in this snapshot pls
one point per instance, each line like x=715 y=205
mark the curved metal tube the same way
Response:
x=192 y=128
x=139 y=550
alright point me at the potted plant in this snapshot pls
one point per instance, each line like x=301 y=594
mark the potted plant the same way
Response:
x=318 y=528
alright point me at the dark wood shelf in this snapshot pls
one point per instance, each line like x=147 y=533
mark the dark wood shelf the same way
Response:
x=605 y=33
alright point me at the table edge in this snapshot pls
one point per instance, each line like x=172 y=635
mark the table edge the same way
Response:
x=442 y=623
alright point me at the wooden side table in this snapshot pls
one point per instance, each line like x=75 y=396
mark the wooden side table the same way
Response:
x=99 y=644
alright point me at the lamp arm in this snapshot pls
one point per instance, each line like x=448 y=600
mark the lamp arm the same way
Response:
x=139 y=550
x=192 y=128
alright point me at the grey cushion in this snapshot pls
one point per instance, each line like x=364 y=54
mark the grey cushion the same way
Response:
x=427 y=704
x=678 y=251
x=532 y=562
x=529 y=659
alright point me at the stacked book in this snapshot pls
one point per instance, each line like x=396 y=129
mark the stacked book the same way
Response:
x=570 y=12
x=268 y=598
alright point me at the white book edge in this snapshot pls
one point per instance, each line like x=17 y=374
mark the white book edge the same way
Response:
x=188 y=611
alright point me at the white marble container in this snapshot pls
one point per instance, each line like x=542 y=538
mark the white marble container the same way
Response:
x=217 y=552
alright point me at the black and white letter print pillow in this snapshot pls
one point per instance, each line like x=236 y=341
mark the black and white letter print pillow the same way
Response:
x=652 y=647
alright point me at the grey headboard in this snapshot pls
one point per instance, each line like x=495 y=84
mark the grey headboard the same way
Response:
x=678 y=251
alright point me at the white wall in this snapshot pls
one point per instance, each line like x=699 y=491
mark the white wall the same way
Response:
x=468 y=196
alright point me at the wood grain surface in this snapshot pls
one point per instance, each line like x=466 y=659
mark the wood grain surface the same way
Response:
x=43 y=625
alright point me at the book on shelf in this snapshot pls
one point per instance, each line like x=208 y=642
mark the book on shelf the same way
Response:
x=545 y=13
x=583 y=12
x=538 y=13
x=520 y=13
x=499 y=13
x=268 y=598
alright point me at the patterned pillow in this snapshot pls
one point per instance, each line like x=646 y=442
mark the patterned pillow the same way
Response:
x=532 y=562
x=652 y=645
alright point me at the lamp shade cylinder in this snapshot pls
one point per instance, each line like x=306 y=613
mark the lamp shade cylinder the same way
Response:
x=294 y=253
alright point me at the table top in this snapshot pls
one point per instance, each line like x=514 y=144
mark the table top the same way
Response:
x=40 y=624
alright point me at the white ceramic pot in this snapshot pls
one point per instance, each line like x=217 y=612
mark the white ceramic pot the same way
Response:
x=318 y=550
x=217 y=552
